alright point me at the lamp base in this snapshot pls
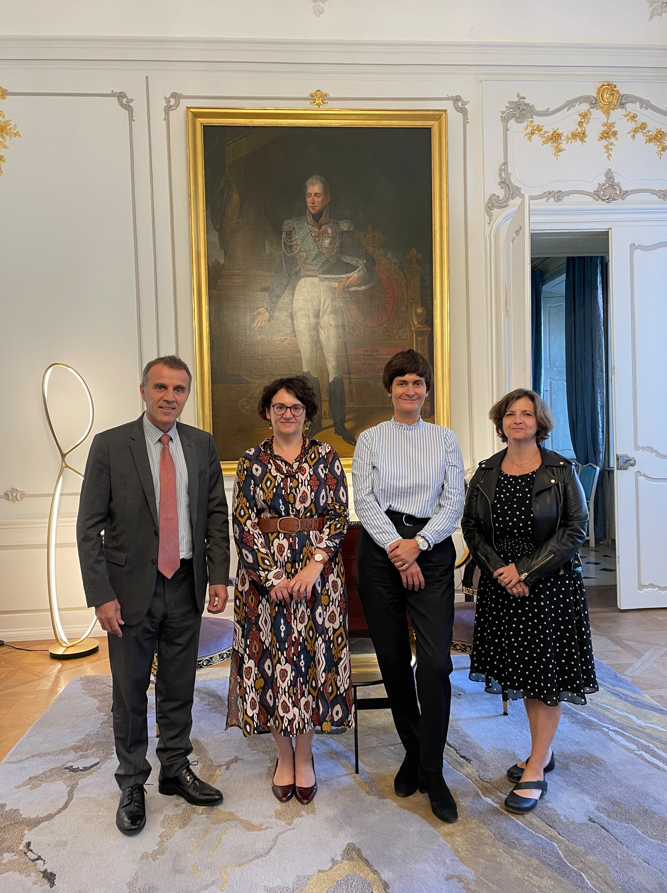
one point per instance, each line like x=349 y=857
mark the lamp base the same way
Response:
x=81 y=649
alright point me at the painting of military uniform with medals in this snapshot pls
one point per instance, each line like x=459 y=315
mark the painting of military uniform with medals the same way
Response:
x=319 y=260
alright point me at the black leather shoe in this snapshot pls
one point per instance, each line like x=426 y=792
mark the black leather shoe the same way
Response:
x=407 y=777
x=520 y=805
x=131 y=812
x=190 y=788
x=443 y=804
x=515 y=772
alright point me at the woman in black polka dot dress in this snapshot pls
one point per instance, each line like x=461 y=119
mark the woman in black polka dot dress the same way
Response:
x=524 y=521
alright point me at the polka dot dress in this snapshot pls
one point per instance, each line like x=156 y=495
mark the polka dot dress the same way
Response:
x=539 y=645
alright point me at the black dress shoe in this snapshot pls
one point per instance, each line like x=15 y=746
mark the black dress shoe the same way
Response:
x=443 y=804
x=520 y=805
x=407 y=777
x=515 y=772
x=282 y=792
x=131 y=812
x=305 y=795
x=190 y=788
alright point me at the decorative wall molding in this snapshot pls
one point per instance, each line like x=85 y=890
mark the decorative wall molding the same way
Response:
x=608 y=100
x=657 y=8
x=14 y=495
x=125 y=103
x=464 y=57
x=520 y=111
x=318 y=7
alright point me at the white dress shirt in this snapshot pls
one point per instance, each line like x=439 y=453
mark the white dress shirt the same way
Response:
x=154 y=448
x=414 y=469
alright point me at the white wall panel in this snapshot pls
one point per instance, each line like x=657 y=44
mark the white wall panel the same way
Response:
x=94 y=217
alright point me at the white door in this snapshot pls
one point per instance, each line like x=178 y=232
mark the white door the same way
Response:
x=518 y=335
x=638 y=300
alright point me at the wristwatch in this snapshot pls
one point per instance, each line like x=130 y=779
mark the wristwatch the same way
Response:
x=423 y=543
x=319 y=556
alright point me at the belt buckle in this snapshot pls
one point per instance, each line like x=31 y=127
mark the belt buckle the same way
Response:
x=280 y=530
x=407 y=523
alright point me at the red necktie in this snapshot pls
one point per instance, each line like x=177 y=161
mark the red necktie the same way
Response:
x=169 y=555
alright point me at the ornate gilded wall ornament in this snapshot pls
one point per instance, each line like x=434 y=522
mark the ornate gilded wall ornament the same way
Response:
x=657 y=136
x=318 y=98
x=8 y=130
x=608 y=99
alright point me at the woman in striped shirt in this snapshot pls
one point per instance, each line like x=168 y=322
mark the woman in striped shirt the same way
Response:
x=408 y=494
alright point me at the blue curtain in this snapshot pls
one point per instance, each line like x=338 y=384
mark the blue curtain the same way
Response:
x=536 y=280
x=585 y=366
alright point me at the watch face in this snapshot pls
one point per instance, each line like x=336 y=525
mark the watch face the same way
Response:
x=318 y=556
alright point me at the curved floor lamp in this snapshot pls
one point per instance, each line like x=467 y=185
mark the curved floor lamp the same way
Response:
x=83 y=646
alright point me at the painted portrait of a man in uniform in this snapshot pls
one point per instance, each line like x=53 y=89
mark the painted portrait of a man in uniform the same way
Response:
x=322 y=264
x=319 y=252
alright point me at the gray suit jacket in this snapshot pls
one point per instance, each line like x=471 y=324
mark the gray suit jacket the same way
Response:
x=117 y=526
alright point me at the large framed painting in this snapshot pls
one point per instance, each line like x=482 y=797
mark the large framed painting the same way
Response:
x=319 y=247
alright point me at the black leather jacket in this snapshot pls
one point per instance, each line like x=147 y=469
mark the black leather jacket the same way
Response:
x=560 y=516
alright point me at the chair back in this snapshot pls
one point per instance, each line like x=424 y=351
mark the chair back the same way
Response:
x=588 y=475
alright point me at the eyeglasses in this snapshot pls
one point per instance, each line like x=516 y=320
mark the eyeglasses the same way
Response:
x=296 y=409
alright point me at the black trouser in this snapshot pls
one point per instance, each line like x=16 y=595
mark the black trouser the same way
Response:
x=386 y=605
x=172 y=621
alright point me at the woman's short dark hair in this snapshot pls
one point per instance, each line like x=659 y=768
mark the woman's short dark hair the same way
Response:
x=407 y=362
x=298 y=386
x=543 y=415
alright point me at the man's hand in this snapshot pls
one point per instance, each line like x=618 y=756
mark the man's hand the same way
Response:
x=350 y=281
x=302 y=584
x=507 y=576
x=403 y=552
x=109 y=617
x=412 y=577
x=217 y=598
x=262 y=316
x=282 y=591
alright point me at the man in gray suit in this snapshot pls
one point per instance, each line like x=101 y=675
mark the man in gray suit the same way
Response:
x=152 y=531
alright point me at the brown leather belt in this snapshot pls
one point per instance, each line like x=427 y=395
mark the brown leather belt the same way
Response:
x=289 y=525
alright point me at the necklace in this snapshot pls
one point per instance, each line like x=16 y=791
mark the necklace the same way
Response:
x=523 y=464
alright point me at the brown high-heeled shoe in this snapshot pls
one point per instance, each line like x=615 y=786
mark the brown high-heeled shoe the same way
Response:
x=306 y=795
x=282 y=792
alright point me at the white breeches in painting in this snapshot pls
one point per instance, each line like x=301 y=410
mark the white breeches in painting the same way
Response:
x=318 y=317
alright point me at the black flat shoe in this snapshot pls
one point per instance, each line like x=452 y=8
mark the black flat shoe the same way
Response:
x=190 y=788
x=443 y=805
x=282 y=792
x=515 y=772
x=131 y=812
x=306 y=795
x=521 y=805
x=407 y=777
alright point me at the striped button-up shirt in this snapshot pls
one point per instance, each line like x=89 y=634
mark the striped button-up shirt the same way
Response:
x=154 y=448
x=414 y=469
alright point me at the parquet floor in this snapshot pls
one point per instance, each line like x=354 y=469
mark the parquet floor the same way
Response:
x=634 y=643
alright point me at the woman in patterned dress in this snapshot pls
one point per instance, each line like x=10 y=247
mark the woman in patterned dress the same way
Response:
x=524 y=520
x=290 y=670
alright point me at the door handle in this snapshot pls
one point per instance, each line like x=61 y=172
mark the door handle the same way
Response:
x=624 y=462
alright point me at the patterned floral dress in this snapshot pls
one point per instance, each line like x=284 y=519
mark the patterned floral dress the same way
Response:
x=290 y=667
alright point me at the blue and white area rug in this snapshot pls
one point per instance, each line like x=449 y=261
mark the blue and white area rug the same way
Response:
x=602 y=827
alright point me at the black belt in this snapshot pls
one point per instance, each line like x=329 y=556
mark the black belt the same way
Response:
x=405 y=519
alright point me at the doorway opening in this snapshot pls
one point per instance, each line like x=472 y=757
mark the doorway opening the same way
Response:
x=571 y=370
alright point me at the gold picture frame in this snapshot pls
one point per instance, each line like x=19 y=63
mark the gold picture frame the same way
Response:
x=427 y=319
